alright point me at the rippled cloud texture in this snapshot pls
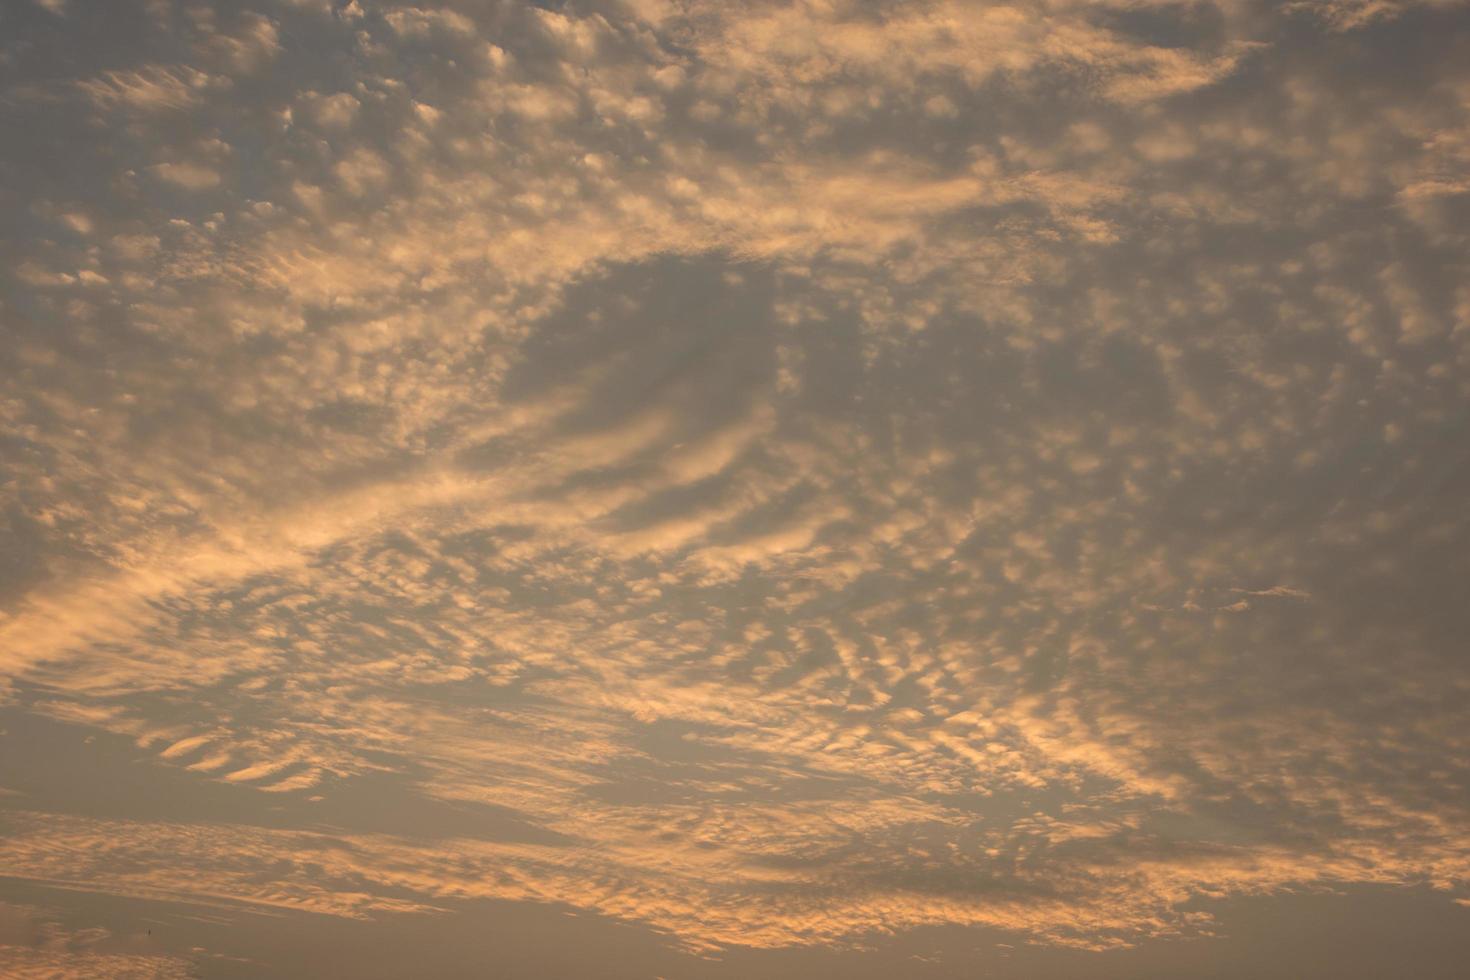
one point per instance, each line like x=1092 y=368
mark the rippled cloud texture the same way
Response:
x=753 y=477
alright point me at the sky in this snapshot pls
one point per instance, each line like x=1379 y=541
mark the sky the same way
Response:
x=692 y=488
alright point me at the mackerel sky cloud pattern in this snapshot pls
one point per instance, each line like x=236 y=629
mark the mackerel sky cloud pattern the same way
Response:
x=682 y=489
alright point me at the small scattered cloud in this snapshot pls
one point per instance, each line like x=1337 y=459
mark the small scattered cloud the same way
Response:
x=190 y=176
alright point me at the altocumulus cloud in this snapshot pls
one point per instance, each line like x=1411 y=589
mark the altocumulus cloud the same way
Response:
x=798 y=471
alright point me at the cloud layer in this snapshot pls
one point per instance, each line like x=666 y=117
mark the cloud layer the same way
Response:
x=788 y=473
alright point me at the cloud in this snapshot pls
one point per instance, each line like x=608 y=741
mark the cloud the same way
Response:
x=336 y=111
x=790 y=474
x=190 y=176
x=35 y=946
x=149 y=88
x=252 y=45
x=1276 y=591
x=1350 y=14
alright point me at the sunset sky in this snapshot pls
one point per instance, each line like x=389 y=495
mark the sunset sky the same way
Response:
x=693 y=488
